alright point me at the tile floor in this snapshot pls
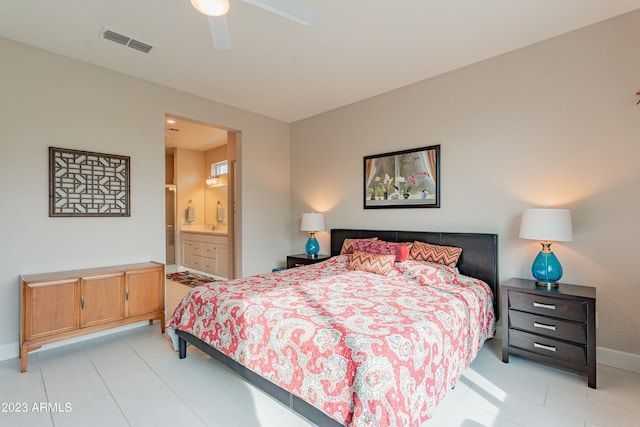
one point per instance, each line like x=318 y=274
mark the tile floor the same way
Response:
x=134 y=378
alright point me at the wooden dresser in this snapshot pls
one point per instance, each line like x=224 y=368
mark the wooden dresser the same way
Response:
x=67 y=304
x=552 y=326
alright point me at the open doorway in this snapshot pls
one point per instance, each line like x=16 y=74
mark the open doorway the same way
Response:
x=201 y=188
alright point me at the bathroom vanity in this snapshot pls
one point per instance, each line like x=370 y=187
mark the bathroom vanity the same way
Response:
x=206 y=251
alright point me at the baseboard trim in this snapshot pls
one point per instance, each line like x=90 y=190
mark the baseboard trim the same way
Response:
x=9 y=351
x=618 y=359
x=12 y=350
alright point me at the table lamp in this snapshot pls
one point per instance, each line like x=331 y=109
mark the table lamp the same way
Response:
x=546 y=225
x=312 y=222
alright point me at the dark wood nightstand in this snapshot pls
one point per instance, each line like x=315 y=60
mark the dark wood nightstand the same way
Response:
x=299 y=260
x=553 y=326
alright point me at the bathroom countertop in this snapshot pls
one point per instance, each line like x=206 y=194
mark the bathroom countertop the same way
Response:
x=200 y=229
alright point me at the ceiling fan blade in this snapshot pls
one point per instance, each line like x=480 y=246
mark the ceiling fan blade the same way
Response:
x=220 y=32
x=286 y=8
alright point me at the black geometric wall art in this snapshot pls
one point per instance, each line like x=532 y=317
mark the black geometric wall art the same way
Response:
x=83 y=183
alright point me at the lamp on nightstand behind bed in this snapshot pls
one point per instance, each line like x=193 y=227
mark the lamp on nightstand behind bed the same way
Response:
x=312 y=222
x=547 y=226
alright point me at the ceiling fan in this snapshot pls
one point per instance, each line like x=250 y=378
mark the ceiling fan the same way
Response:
x=216 y=11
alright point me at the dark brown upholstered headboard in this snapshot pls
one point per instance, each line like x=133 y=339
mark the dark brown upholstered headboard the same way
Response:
x=479 y=257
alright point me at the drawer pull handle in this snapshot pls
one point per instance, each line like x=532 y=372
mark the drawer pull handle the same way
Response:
x=543 y=326
x=547 y=306
x=544 y=347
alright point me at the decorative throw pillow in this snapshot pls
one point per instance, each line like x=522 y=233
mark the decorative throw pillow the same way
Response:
x=446 y=255
x=347 y=245
x=381 y=247
x=409 y=246
x=372 y=263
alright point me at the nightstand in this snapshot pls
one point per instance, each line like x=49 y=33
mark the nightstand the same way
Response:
x=299 y=260
x=552 y=326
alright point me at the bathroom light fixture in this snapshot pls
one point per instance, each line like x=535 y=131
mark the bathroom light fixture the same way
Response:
x=212 y=180
x=211 y=7
x=312 y=222
x=546 y=225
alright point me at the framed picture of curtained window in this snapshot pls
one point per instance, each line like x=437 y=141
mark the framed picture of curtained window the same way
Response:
x=83 y=183
x=403 y=179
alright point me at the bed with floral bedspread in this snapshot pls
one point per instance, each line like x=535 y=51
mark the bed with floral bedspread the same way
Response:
x=365 y=349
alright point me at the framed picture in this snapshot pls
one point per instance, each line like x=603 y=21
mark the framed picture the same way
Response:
x=82 y=183
x=403 y=179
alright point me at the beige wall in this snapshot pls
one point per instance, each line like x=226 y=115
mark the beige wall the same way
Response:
x=190 y=177
x=49 y=100
x=552 y=124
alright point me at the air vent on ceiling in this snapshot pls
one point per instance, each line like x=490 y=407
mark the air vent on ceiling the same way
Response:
x=125 y=40
x=138 y=45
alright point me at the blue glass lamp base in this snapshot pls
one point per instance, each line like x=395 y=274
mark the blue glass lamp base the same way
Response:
x=312 y=247
x=546 y=269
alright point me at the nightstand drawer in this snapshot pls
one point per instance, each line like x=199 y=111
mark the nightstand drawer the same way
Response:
x=548 y=326
x=572 y=353
x=548 y=306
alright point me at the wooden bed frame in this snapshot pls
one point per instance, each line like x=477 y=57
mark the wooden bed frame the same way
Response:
x=479 y=259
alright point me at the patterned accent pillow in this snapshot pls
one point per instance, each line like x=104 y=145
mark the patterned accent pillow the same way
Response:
x=446 y=255
x=428 y=273
x=409 y=246
x=381 y=247
x=372 y=263
x=347 y=245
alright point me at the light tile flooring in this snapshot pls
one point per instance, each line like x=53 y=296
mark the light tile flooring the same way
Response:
x=134 y=378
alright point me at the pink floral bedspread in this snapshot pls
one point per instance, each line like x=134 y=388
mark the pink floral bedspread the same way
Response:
x=367 y=350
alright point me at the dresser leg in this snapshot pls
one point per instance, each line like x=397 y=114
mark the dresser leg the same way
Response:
x=505 y=354
x=24 y=358
x=592 y=377
x=505 y=348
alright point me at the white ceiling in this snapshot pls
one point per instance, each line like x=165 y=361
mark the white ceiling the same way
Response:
x=192 y=135
x=355 y=49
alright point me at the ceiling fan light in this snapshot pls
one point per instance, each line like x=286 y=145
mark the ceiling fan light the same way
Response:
x=211 y=7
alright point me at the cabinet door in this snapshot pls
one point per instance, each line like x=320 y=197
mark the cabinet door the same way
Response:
x=50 y=308
x=101 y=299
x=186 y=253
x=144 y=291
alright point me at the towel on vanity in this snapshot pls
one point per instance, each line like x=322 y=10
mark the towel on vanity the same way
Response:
x=191 y=213
x=220 y=213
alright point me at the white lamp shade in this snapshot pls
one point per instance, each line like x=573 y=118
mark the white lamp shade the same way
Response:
x=546 y=224
x=312 y=222
x=211 y=7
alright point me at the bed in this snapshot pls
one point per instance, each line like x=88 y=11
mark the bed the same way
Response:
x=342 y=346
